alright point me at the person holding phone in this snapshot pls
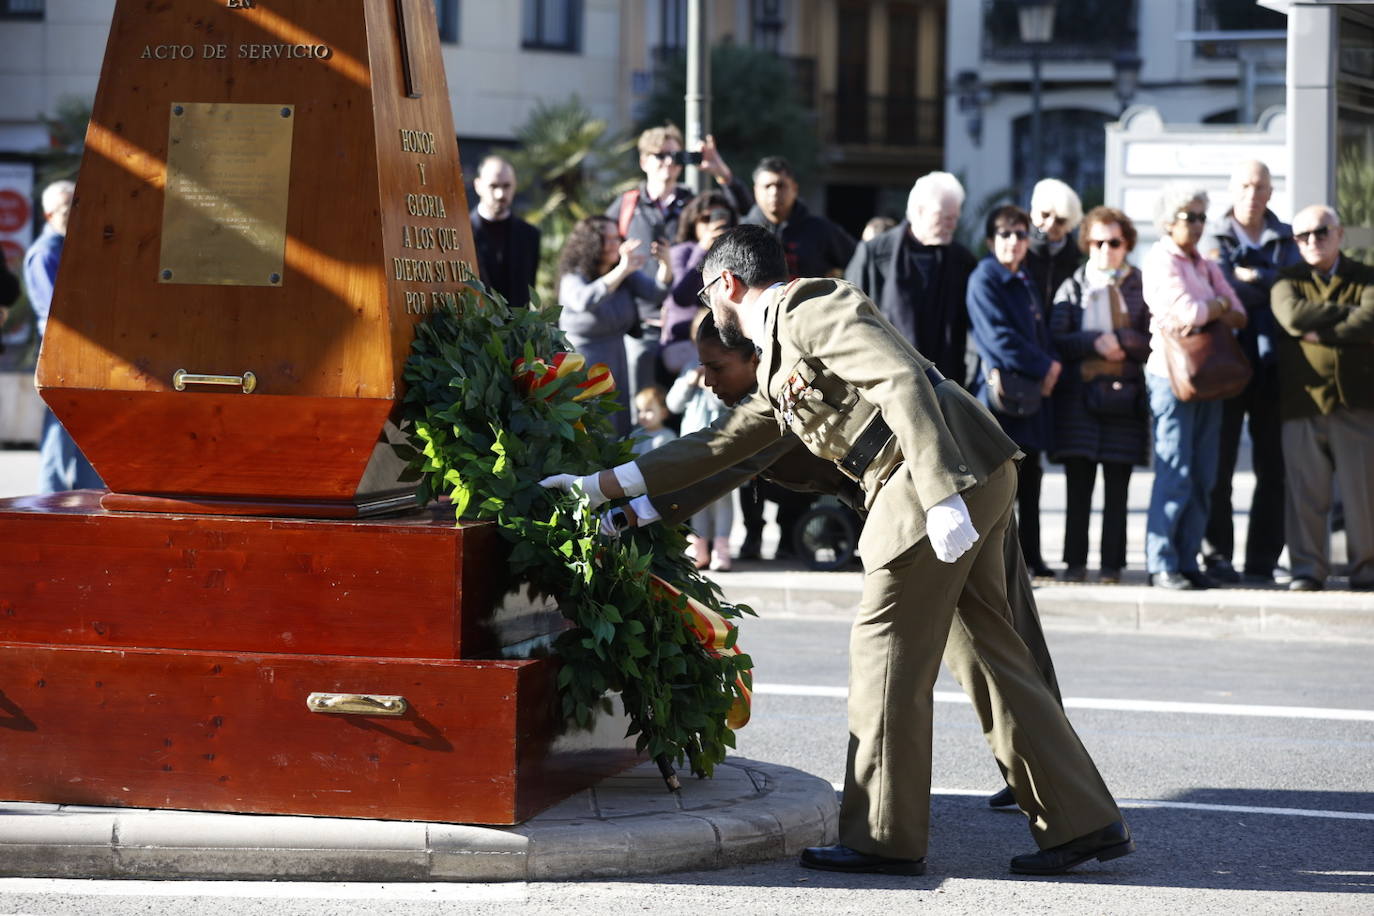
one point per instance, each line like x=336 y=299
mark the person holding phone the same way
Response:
x=649 y=213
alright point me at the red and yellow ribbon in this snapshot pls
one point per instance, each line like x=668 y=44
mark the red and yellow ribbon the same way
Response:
x=711 y=630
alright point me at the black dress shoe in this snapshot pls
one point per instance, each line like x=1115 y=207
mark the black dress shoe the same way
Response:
x=1305 y=584
x=1003 y=799
x=1174 y=580
x=1111 y=842
x=1040 y=571
x=1221 y=569
x=842 y=858
x=1074 y=574
x=1109 y=577
x=749 y=550
x=1201 y=580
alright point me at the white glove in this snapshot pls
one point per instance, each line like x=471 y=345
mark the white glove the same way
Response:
x=949 y=528
x=590 y=485
x=637 y=514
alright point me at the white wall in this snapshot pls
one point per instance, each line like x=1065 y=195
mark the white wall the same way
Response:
x=493 y=83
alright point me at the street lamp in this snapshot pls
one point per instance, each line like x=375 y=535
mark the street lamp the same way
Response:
x=1036 y=21
x=1126 y=75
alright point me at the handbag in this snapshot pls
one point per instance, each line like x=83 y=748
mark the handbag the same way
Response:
x=1206 y=365
x=1115 y=397
x=1013 y=394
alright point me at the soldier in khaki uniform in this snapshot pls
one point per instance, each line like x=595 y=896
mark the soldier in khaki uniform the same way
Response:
x=937 y=480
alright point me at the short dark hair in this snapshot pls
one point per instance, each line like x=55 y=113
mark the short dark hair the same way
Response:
x=1008 y=214
x=707 y=332
x=702 y=204
x=751 y=253
x=775 y=164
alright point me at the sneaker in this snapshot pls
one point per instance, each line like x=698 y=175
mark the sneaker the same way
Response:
x=1305 y=584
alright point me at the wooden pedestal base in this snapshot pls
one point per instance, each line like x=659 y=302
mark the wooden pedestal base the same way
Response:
x=168 y=661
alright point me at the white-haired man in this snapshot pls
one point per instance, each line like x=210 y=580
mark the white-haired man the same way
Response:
x=61 y=466
x=1055 y=212
x=918 y=274
x=1325 y=311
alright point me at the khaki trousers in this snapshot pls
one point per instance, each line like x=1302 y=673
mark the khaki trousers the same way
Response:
x=913 y=608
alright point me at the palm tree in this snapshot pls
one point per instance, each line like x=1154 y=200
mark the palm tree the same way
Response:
x=577 y=167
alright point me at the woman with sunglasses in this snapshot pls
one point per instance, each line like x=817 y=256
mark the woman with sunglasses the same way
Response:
x=1101 y=330
x=1185 y=292
x=1054 y=255
x=702 y=222
x=1019 y=367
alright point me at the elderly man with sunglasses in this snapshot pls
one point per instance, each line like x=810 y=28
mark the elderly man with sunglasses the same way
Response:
x=1326 y=370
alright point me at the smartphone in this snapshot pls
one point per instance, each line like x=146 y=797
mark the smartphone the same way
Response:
x=682 y=157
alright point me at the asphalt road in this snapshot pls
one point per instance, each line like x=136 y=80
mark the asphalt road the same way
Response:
x=1242 y=808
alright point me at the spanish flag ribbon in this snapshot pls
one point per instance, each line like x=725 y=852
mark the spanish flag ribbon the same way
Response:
x=711 y=630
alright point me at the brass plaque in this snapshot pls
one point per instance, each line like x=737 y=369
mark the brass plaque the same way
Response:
x=228 y=175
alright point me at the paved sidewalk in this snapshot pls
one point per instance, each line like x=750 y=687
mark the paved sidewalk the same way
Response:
x=627 y=825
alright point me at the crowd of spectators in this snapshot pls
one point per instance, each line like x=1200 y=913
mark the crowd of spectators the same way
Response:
x=1061 y=335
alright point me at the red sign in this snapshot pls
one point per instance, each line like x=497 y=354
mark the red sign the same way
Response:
x=15 y=211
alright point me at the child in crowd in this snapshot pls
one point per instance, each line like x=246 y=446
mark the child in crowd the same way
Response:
x=651 y=413
x=691 y=397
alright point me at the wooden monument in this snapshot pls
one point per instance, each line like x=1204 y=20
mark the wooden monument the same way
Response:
x=270 y=200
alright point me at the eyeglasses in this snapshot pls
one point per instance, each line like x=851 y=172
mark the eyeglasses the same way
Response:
x=1019 y=234
x=1110 y=243
x=1046 y=215
x=1319 y=234
x=663 y=156
x=1189 y=216
x=703 y=296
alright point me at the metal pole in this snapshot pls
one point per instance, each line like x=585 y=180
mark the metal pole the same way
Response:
x=1037 y=138
x=698 y=98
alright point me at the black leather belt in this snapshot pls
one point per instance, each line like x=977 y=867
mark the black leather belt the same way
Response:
x=872 y=439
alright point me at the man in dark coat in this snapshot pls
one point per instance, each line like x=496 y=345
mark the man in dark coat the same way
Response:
x=918 y=274
x=1252 y=245
x=507 y=246
x=815 y=246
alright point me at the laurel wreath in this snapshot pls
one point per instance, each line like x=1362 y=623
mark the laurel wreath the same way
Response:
x=495 y=403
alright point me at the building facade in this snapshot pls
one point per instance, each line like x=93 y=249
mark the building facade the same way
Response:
x=1195 y=61
x=870 y=73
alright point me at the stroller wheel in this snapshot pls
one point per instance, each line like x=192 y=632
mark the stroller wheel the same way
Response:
x=826 y=538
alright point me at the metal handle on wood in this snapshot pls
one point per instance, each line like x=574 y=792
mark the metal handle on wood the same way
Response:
x=181 y=378
x=357 y=704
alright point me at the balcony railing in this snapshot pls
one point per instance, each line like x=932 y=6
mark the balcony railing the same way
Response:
x=1083 y=30
x=873 y=120
x=21 y=9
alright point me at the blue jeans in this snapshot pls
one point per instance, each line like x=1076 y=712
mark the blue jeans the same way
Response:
x=1187 y=438
x=61 y=466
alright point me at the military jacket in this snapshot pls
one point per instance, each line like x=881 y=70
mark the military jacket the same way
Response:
x=831 y=366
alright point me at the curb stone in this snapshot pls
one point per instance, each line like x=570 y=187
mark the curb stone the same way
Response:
x=626 y=825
